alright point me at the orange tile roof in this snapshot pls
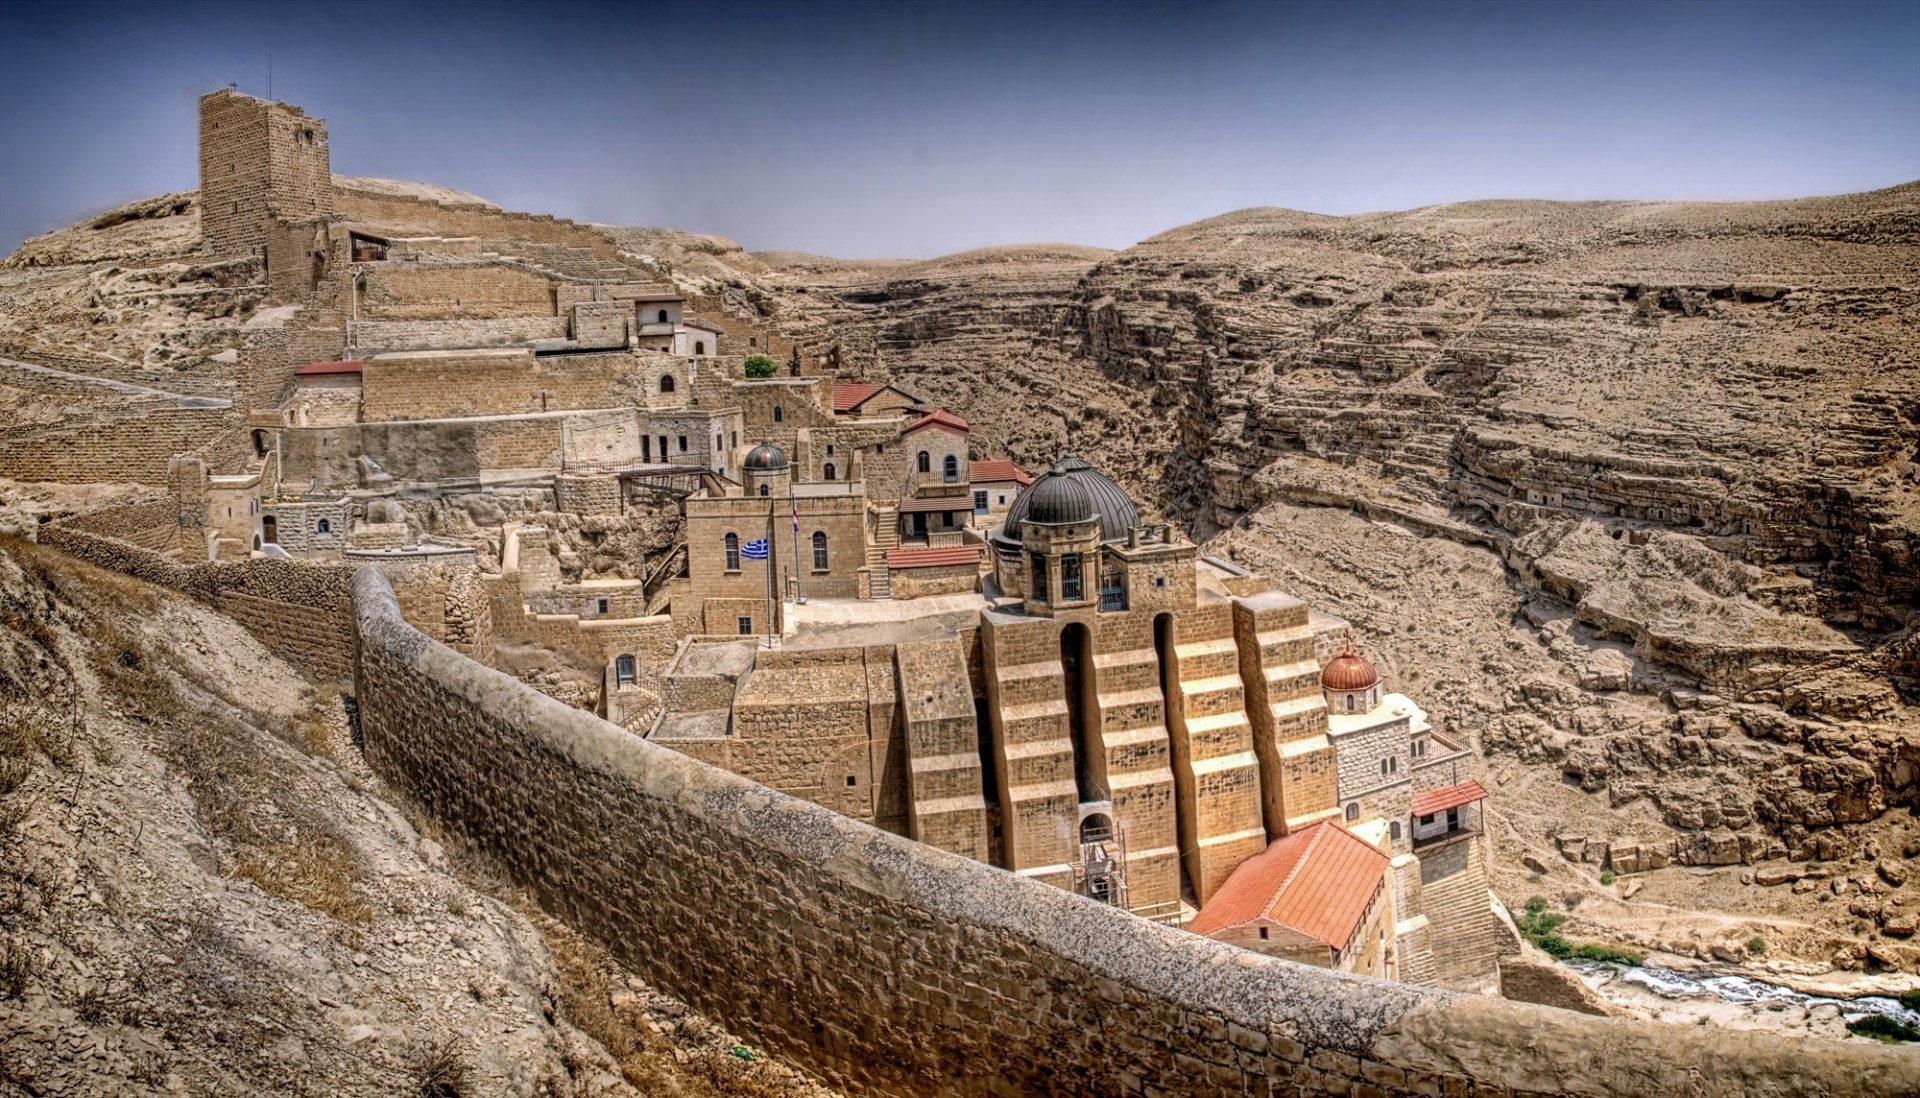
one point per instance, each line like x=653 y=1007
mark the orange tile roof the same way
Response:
x=1317 y=881
x=323 y=369
x=934 y=557
x=849 y=395
x=994 y=472
x=1453 y=796
x=939 y=417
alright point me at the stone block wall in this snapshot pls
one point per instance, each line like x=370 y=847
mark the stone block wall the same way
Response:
x=451 y=291
x=133 y=441
x=948 y=579
x=380 y=336
x=946 y=808
x=299 y=611
x=413 y=385
x=890 y=968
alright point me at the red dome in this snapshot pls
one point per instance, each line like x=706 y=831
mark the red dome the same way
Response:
x=1349 y=671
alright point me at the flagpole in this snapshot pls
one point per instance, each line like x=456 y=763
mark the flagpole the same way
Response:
x=793 y=504
x=769 y=560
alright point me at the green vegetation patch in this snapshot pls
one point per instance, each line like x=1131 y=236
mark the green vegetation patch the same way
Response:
x=1542 y=928
x=1882 y=1028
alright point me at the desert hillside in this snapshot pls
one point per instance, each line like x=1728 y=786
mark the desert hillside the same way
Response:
x=204 y=890
x=1628 y=494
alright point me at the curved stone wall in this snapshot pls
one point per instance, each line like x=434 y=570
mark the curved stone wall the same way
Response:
x=893 y=968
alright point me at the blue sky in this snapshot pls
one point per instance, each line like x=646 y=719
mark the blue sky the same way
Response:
x=916 y=129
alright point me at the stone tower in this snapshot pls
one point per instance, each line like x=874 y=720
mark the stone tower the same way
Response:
x=260 y=162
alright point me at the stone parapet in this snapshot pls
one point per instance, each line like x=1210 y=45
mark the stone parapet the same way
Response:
x=891 y=968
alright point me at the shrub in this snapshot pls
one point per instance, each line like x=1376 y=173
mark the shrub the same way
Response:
x=1756 y=945
x=1910 y=1000
x=759 y=366
x=1882 y=1028
x=1542 y=928
x=439 y=1067
x=1607 y=877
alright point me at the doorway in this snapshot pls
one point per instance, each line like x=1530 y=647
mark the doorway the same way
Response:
x=270 y=530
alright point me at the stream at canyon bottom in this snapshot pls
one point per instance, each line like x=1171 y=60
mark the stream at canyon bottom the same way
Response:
x=1740 y=1001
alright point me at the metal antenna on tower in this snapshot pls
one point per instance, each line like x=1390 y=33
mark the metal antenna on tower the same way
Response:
x=269 y=76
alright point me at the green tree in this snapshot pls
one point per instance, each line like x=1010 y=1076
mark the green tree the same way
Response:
x=759 y=366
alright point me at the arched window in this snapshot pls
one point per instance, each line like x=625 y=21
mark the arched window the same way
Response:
x=1353 y=810
x=1393 y=829
x=819 y=551
x=950 y=469
x=829 y=470
x=1383 y=768
x=666 y=383
x=324 y=526
x=1349 y=703
x=926 y=462
x=699 y=346
x=777 y=414
x=763 y=490
x=733 y=545
x=623 y=669
x=663 y=316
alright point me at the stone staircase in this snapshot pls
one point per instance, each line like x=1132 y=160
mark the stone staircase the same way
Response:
x=886 y=537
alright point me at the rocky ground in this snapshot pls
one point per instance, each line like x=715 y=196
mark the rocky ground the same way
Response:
x=1627 y=494
x=203 y=890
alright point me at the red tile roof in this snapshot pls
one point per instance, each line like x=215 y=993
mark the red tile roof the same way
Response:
x=995 y=472
x=324 y=369
x=1453 y=796
x=848 y=395
x=933 y=558
x=939 y=417
x=1317 y=881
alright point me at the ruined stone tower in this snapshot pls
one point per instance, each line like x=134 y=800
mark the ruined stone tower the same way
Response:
x=260 y=162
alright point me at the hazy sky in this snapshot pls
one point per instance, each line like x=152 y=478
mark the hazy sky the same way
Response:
x=913 y=128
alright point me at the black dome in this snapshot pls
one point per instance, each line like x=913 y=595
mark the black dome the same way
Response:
x=766 y=458
x=1073 y=491
x=1058 y=500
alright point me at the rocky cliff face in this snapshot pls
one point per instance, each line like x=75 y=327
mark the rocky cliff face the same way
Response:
x=1684 y=435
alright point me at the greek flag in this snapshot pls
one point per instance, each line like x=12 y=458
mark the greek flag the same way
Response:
x=755 y=549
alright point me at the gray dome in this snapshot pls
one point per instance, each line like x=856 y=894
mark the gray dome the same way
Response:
x=1059 y=500
x=766 y=458
x=1073 y=491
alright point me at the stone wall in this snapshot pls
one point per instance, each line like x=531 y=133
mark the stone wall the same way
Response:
x=446 y=384
x=376 y=336
x=299 y=611
x=456 y=291
x=133 y=441
x=892 y=968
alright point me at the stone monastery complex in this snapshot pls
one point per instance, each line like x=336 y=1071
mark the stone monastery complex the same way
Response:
x=837 y=597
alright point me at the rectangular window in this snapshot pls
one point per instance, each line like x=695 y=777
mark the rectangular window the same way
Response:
x=746 y=625
x=1070 y=577
x=600 y=605
x=683 y=444
x=1039 y=590
x=980 y=503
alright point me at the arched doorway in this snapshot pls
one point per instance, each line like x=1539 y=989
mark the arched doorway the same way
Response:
x=1083 y=713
